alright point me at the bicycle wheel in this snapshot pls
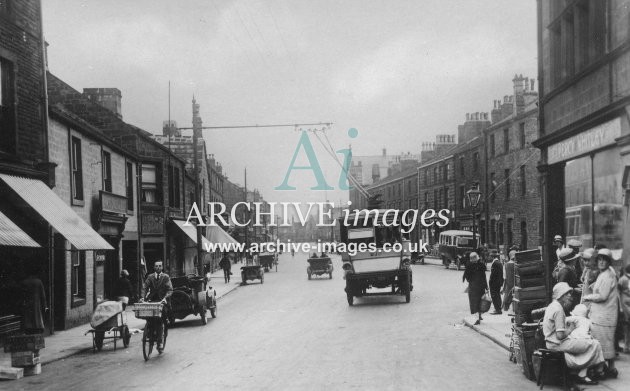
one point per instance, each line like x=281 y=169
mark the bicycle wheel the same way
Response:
x=164 y=335
x=148 y=340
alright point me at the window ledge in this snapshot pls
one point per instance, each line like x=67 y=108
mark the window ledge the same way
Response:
x=76 y=202
x=77 y=301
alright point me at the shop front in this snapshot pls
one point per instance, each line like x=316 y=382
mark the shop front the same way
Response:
x=585 y=189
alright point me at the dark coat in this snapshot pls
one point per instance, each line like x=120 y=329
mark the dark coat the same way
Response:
x=34 y=303
x=496 y=274
x=123 y=287
x=158 y=288
x=568 y=274
x=475 y=274
x=225 y=264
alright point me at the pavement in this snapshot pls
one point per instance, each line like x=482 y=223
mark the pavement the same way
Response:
x=66 y=343
x=498 y=329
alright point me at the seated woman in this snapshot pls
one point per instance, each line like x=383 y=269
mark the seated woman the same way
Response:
x=579 y=354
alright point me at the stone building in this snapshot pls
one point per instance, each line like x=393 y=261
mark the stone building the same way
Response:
x=584 y=131
x=512 y=186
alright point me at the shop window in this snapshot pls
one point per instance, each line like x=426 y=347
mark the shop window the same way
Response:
x=129 y=177
x=608 y=216
x=78 y=276
x=150 y=189
x=77 y=169
x=578 y=205
x=8 y=126
x=107 y=171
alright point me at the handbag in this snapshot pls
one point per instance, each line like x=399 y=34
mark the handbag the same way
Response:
x=486 y=301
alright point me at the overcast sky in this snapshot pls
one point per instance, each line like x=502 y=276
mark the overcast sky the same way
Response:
x=398 y=71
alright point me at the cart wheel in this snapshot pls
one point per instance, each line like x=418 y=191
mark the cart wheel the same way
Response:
x=163 y=337
x=330 y=276
x=350 y=298
x=213 y=311
x=202 y=312
x=147 y=341
x=99 y=336
x=126 y=336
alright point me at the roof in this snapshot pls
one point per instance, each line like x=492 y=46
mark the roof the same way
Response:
x=56 y=212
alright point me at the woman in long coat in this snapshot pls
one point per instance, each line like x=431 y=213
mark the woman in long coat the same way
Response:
x=475 y=274
x=34 y=303
x=604 y=301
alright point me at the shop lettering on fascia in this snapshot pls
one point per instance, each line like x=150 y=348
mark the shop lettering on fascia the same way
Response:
x=592 y=139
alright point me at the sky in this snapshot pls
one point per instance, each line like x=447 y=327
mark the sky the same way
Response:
x=400 y=72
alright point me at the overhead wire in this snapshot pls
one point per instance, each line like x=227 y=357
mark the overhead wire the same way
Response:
x=499 y=185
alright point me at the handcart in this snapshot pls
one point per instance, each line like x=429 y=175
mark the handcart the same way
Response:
x=109 y=322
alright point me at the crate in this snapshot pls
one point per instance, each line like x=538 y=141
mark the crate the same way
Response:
x=529 y=281
x=526 y=306
x=527 y=346
x=527 y=256
x=24 y=359
x=533 y=293
x=148 y=310
x=20 y=343
x=534 y=269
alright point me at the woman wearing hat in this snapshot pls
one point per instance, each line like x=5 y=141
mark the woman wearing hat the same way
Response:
x=604 y=301
x=579 y=354
x=475 y=274
x=590 y=273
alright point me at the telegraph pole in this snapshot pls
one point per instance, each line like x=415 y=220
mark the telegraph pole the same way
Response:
x=196 y=133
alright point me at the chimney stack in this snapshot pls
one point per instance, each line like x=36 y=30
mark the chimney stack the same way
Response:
x=108 y=98
x=170 y=129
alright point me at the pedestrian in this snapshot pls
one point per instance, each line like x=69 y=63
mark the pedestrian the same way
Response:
x=34 y=301
x=590 y=273
x=566 y=271
x=624 y=299
x=123 y=289
x=605 y=308
x=158 y=288
x=475 y=274
x=508 y=286
x=559 y=245
x=496 y=282
x=226 y=265
x=575 y=246
x=579 y=354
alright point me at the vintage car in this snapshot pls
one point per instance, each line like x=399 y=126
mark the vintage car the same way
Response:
x=268 y=260
x=319 y=266
x=453 y=246
x=379 y=260
x=192 y=295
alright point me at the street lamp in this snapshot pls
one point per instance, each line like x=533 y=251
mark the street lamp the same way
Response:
x=474 y=195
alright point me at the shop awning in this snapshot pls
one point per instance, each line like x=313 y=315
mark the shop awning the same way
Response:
x=56 y=212
x=12 y=235
x=216 y=234
x=191 y=232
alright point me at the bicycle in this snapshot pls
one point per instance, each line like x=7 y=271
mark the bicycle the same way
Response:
x=152 y=312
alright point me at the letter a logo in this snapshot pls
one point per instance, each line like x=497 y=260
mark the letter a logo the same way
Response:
x=305 y=143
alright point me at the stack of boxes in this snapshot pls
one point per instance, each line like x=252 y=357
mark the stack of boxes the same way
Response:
x=530 y=293
x=25 y=352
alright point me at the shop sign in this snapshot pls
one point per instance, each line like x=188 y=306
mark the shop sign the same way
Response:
x=113 y=203
x=589 y=140
x=99 y=257
x=152 y=223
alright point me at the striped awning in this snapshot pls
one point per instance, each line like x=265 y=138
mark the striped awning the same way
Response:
x=12 y=235
x=216 y=234
x=191 y=232
x=56 y=212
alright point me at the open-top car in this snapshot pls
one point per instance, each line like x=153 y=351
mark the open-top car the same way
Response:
x=319 y=266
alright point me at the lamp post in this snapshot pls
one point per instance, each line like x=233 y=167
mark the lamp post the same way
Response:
x=474 y=195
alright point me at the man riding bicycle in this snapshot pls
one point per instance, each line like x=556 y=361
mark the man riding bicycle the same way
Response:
x=157 y=288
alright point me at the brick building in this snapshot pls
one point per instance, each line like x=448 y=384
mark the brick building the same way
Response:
x=512 y=191
x=584 y=133
x=162 y=177
x=97 y=178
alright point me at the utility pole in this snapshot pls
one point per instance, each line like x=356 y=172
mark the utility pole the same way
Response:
x=196 y=120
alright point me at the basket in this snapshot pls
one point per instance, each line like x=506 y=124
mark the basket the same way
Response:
x=148 y=310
